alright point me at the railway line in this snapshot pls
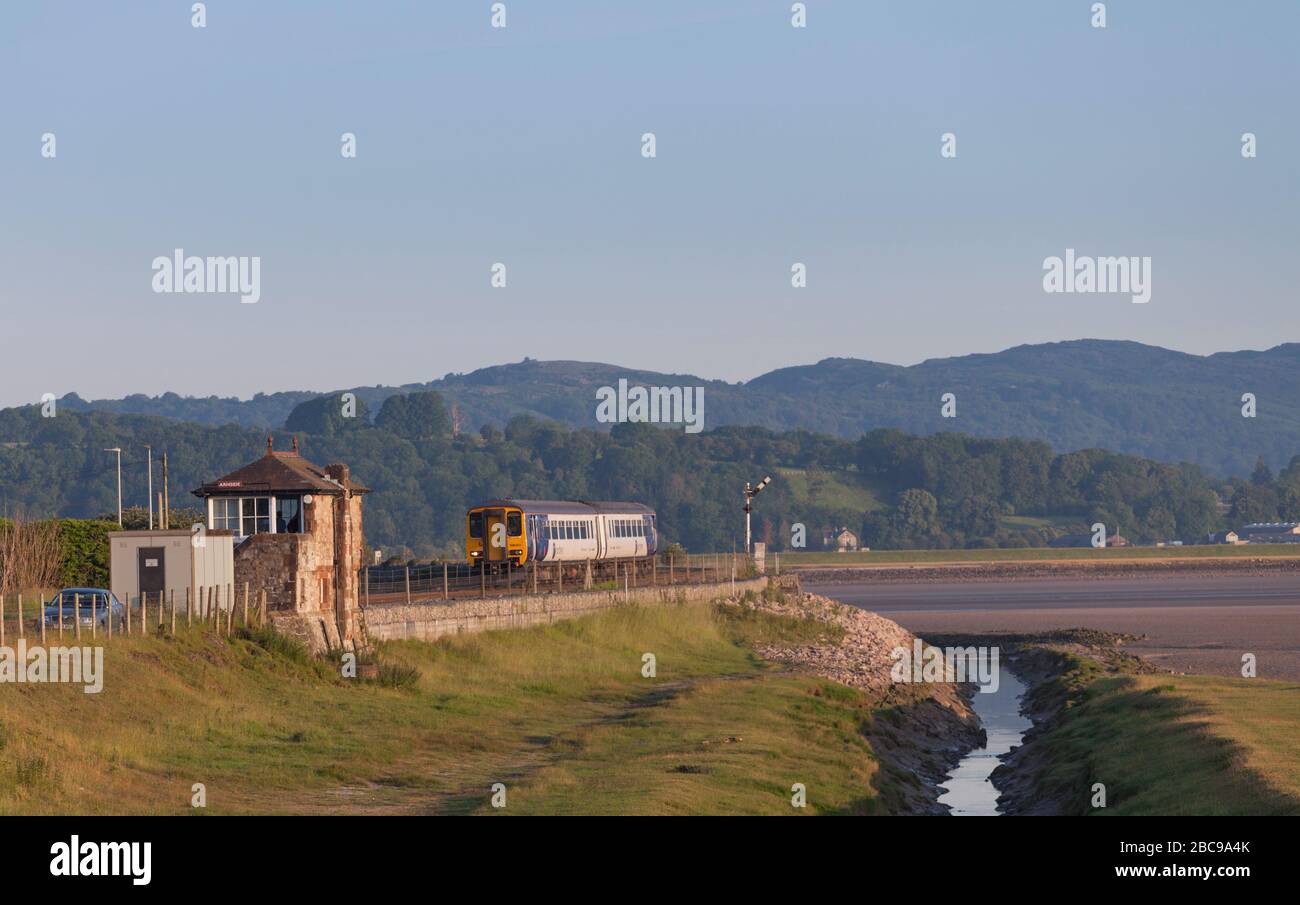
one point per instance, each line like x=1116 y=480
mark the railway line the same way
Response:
x=452 y=580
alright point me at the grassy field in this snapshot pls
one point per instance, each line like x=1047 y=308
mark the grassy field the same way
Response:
x=831 y=489
x=1038 y=554
x=1177 y=745
x=564 y=718
x=560 y=714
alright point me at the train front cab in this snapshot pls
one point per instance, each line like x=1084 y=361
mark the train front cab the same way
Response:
x=494 y=534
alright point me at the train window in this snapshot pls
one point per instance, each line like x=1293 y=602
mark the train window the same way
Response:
x=476 y=524
x=514 y=524
x=568 y=530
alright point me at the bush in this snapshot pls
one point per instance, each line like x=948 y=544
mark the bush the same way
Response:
x=396 y=675
x=85 y=552
x=267 y=638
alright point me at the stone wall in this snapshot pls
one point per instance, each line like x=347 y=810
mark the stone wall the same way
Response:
x=311 y=579
x=433 y=618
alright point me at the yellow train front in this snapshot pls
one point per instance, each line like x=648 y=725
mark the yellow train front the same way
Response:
x=520 y=531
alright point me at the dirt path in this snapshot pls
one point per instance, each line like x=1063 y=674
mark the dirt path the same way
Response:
x=466 y=788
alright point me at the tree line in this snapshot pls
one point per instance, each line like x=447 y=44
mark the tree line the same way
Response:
x=894 y=489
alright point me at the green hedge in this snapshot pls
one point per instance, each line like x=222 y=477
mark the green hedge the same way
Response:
x=85 y=551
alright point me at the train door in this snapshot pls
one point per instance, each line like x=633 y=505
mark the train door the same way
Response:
x=494 y=537
x=602 y=545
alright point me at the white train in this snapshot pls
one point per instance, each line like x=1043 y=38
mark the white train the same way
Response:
x=523 y=531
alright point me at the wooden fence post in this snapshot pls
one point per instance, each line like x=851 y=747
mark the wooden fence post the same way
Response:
x=482 y=581
x=41 y=613
x=245 y=604
x=2 y=618
x=408 y=586
x=128 y=616
x=20 y=615
x=110 y=615
x=76 y=616
x=445 y=592
x=173 y=597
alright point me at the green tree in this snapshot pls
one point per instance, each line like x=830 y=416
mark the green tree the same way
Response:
x=415 y=416
x=1261 y=476
x=326 y=416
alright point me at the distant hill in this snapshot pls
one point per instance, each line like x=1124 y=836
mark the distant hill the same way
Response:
x=1122 y=396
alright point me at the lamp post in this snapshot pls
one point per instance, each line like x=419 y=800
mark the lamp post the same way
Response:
x=750 y=493
x=118 y=450
x=150 y=449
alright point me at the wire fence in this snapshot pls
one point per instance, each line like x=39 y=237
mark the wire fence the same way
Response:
x=446 y=580
x=91 y=616
x=227 y=607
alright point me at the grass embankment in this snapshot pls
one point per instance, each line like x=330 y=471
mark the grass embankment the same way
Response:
x=561 y=714
x=1038 y=554
x=1173 y=745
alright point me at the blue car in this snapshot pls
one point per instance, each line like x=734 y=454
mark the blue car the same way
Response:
x=95 y=607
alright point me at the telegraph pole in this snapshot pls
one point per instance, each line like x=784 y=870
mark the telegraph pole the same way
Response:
x=166 y=515
x=118 y=450
x=150 y=448
x=750 y=493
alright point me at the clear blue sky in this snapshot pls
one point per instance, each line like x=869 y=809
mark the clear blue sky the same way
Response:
x=521 y=145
